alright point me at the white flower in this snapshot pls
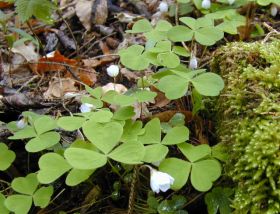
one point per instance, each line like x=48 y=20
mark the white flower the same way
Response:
x=193 y=62
x=231 y=1
x=86 y=107
x=273 y=10
x=160 y=181
x=163 y=7
x=206 y=4
x=21 y=123
x=113 y=70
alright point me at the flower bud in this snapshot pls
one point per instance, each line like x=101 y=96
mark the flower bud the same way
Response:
x=21 y=123
x=273 y=10
x=206 y=4
x=163 y=7
x=193 y=62
x=113 y=70
x=86 y=107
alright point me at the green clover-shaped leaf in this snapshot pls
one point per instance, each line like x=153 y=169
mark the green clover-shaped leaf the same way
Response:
x=201 y=29
x=155 y=153
x=43 y=141
x=84 y=159
x=25 y=185
x=178 y=169
x=141 y=26
x=6 y=157
x=19 y=204
x=77 y=176
x=3 y=209
x=133 y=58
x=128 y=153
x=52 y=166
x=69 y=123
x=43 y=196
x=204 y=173
x=104 y=136
x=44 y=124
x=195 y=153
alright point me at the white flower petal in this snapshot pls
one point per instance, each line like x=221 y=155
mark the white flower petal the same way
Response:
x=165 y=187
x=160 y=181
x=231 y=1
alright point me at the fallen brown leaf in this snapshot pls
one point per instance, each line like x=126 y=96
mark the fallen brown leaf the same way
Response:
x=58 y=87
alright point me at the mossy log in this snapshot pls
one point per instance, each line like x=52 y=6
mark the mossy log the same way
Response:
x=248 y=123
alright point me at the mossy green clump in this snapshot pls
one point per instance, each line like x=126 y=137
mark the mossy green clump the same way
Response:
x=248 y=121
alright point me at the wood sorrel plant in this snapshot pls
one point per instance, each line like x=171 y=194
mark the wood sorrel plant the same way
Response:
x=112 y=136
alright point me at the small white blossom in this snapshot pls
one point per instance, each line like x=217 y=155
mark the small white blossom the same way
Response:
x=160 y=181
x=21 y=123
x=193 y=62
x=163 y=7
x=273 y=10
x=86 y=107
x=206 y=4
x=113 y=70
x=231 y=1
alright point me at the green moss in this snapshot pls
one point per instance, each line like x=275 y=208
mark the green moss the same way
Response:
x=248 y=120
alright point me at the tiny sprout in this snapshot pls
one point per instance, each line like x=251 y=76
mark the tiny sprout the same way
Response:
x=163 y=7
x=206 y=4
x=21 y=123
x=273 y=10
x=231 y=1
x=193 y=62
x=86 y=107
x=113 y=70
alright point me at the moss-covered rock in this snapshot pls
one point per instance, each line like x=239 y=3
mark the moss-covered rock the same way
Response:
x=248 y=120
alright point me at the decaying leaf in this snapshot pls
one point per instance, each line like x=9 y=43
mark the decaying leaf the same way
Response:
x=114 y=87
x=83 y=10
x=129 y=74
x=59 y=86
x=27 y=51
x=160 y=100
x=50 y=63
x=86 y=76
x=100 y=12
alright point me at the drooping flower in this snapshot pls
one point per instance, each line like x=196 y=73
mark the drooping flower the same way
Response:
x=273 y=10
x=160 y=181
x=21 y=123
x=206 y=4
x=231 y=1
x=113 y=70
x=86 y=107
x=163 y=7
x=193 y=62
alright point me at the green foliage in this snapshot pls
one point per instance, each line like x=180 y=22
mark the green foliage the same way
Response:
x=172 y=206
x=28 y=189
x=203 y=169
x=201 y=29
x=41 y=9
x=40 y=130
x=218 y=200
x=250 y=125
x=6 y=157
x=176 y=85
